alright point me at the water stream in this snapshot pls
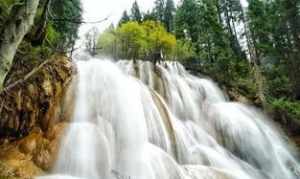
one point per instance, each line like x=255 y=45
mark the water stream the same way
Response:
x=137 y=121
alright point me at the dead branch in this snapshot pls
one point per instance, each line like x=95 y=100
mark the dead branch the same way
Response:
x=25 y=78
x=77 y=21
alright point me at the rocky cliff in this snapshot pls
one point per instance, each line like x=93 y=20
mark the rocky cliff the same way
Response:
x=34 y=110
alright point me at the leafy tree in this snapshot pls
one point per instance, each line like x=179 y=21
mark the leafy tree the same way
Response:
x=91 y=41
x=135 y=40
x=135 y=12
x=131 y=36
x=107 y=43
x=159 y=41
x=184 y=50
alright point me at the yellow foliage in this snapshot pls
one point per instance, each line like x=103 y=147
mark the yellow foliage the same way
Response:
x=138 y=40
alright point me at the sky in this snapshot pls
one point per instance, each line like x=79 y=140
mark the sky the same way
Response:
x=95 y=10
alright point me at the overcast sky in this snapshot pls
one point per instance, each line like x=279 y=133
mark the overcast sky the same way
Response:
x=95 y=10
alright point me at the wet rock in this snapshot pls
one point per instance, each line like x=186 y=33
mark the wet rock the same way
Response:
x=29 y=144
x=17 y=164
x=37 y=101
x=33 y=155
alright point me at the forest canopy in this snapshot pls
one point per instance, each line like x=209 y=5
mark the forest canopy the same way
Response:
x=29 y=38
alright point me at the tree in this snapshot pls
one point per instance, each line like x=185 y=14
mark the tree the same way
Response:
x=159 y=41
x=159 y=10
x=169 y=15
x=20 y=21
x=135 y=12
x=292 y=11
x=125 y=18
x=187 y=21
x=231 y=14
x=67 y=30
x=108 y=42
x=149 y=16
x=91 y=41
x=132 y=38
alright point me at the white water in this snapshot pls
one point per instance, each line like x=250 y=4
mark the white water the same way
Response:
x=135 y=122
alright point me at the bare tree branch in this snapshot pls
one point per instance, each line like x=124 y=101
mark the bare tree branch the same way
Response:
x=78 y=21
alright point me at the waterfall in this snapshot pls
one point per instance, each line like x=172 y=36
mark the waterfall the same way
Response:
x=139 y=121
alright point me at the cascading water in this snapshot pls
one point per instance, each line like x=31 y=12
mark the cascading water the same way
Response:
x=137 y=121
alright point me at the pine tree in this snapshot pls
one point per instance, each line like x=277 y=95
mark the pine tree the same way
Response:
x=135 y=12
x=231 y=14
x=292 y=14
x=169 y=15
x=149 y=16
x=159 y=10
x=125 y=18
x=66 y=11
x=187 y=21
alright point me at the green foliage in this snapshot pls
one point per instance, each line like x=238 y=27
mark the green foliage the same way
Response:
x=59 y=33
x=125 y=18
x=159 y=10
x=135 y=40
x=135 y=12
x=107 y=42
x=184 y=50
x=187 y=21
x=68 y=10
x=169 y=13
x=52 y=35
x=158 y=39
x=132 y=38
x=149 y=16
x=5 y=6
x=163 y=12
x=283 y=105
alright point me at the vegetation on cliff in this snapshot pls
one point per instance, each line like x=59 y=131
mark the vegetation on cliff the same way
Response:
x=34 y=30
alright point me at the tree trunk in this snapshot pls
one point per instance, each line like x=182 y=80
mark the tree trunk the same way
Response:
x=20 y=22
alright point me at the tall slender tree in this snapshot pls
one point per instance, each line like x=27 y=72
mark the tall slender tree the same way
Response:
x=231 y=14
x=187 y=20
x=125 y=18
x=292 y=14
x=149 y=16
x=135 y=12
x=169 y=13
x=159 y=10
x=67 y=11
